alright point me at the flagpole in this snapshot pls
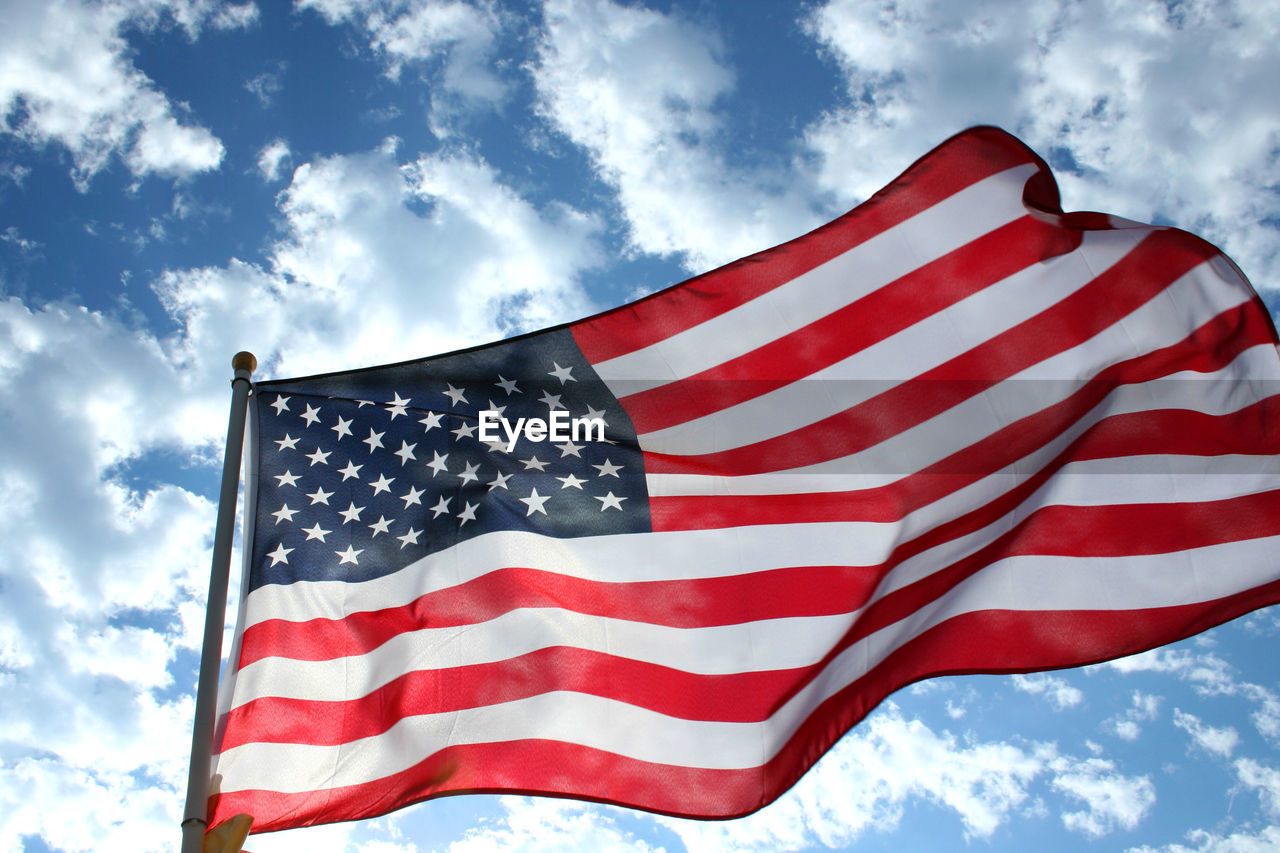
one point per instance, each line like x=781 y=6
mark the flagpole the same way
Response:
x=195 y=816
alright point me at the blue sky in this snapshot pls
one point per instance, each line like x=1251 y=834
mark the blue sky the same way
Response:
x=333 y=183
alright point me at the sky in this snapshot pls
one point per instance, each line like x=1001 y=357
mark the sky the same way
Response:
x=337 y=183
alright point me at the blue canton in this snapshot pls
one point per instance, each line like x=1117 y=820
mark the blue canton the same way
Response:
x=362 y=473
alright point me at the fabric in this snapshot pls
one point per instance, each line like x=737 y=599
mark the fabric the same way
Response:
x=953 y=431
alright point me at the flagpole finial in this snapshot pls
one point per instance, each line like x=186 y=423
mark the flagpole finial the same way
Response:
x=244 y=361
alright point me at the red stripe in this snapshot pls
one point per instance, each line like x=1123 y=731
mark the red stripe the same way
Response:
x=1209 y=348
x=860 y=324
x=736 y=697
x=1084 y=532
x=1116 y=437
x=1160 y=259
x=980 y=642
x=958 y=163
x=700 y=602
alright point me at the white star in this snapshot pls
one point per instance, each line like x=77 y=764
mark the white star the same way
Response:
x=564 y=374
x=465 y=430
x=412 y=497
x=374 y=440
x=595 y=414
x=320 y=457
x=441 y=507
x=351 y=513
x=608 y=469
x=352 y=470
x=382 y=484
x=499 y=410
x=380 y=526
x=397 y=406
x=320 y=496
x=552 y=401
x=468 y=514
x=470 y=473
x=534 y=502
x=406 y=452
x=610 y=501
x=455 y=394
x=508 y=385
x=410 y=538
x=534 y=462
x=431 y=421
x=284 y=513
x=281 y=553
x=571 y=482
x=311 y=415
x=349 y=556
x=281 y=405
x=499 y=482
x=438 y=463
x=288 y=478
x=288 y=442
x=569 y=449
x=342 y=427
x=316 y=532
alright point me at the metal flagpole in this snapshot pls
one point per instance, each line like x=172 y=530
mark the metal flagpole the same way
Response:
x=195 y=819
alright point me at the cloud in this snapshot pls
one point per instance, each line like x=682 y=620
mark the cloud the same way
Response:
x=266 y=85
x=1203 y=841
x=864 y=784
x=66 y=78
x=1114 y=95
x=1265 y=780
x=638 y=91
x=452 y=42
x=1126 y=726
x=103 y=557
x=1112 y=800
x=1057 y=691
x=546 y=825
x=1216 y=741
x=271 y=158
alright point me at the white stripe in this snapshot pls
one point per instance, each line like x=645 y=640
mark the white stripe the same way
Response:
x=1022 y=583
x=909 y=353
x=1251 y=377
x=930 y=234
x=724 y=649
x=1024 y=393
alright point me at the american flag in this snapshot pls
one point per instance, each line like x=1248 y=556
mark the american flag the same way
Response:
x=954 y=431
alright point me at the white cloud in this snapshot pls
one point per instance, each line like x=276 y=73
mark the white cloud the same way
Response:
x=66 y=78
x=266 y=85
x=270 y=159
x=1208 y=674
x=1116 y=93
x=864 y=784
x=1112 y=800
x=547 y=825
x=1265 y=780
x=455 y=40
x=1266 y=840
x=1126 y=726
x=1214 y=740
x=103 y=565
x=1057 y=691
x=638 y=90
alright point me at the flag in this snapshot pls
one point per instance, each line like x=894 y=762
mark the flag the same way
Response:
x=666 y=556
